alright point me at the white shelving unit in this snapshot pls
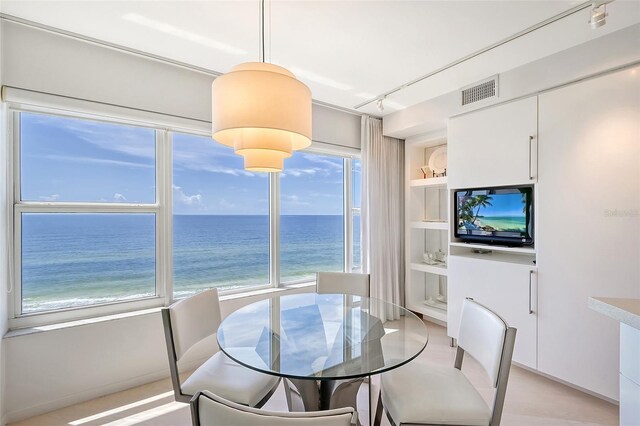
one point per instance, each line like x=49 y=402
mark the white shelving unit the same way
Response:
x=434 y=182
x=427 y=227
x=432 y=224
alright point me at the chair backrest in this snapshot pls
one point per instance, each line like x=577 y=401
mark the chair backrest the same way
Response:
x=193 y=319
x=208 y=409
x=490 y=340
x=342 y=282
x=482 y=335
x=186 y=323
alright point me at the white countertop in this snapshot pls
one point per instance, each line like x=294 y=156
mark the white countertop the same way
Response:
x=623 y=310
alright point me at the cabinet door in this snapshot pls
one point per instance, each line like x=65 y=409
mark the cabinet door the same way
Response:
x=508 y=289
x=588 y=212
x=494 y=147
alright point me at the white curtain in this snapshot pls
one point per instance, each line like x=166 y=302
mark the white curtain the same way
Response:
x=383 y=214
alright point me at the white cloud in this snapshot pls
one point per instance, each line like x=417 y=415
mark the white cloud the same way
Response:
x=293 y=200
x=226 y=204
x=194 y=153
x=335 y=164
x=181 y=197
x=119 y=197
x=206 y=158
x=92 y=160
x=133 y=141
x=52 y=197
x=301 y=172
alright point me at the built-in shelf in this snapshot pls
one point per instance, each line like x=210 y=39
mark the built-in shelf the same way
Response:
x=430 y=269
x=518 y=259
x=432 y=182
x=426 y=225
x=504 y=249
x=432 y=312
x=430 y=224
x=435 y=304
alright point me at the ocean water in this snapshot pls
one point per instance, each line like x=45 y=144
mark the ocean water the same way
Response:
x=71 y=260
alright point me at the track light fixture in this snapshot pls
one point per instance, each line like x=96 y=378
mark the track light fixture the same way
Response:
x=380 y=105
x=598 y=16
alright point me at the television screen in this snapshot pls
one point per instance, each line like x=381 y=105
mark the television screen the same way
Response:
x=495 y=215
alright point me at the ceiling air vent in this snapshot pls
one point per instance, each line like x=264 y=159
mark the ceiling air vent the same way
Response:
x=485 y=89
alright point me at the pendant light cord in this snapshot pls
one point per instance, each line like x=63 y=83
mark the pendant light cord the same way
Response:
x=262 y=13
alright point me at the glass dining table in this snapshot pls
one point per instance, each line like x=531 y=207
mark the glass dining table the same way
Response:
x=323 y=345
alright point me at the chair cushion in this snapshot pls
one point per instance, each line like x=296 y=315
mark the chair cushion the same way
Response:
x=423 y=393
x=223 y=376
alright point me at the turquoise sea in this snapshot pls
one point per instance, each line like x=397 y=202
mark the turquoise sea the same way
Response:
x=504 y=223
x=76 y=259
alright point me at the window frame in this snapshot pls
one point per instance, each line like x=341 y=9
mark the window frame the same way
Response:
x=347 y=213
x=162 y=209
x=19 y=319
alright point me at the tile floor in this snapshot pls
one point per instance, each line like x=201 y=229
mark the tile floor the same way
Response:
x=531 y=400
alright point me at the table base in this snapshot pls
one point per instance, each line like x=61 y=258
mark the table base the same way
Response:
x=314 y=395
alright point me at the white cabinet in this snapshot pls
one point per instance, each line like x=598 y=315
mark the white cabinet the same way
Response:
x=629 y=375
x=506 y=284
x=494 y=147
x=588 y=224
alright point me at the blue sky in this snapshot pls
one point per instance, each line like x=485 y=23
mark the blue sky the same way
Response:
x=503 y=205
x=67 y=159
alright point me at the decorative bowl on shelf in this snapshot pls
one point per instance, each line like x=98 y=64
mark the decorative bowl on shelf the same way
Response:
x=438 y=161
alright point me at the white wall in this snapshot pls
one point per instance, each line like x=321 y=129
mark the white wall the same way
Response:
x=43 y=61
x=603 y=53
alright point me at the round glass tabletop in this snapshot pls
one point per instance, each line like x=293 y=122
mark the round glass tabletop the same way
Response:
x=322 y=336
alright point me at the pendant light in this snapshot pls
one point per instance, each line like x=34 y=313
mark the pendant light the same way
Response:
x=262 y=111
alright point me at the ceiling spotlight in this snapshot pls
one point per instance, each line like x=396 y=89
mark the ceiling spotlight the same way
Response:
x=380 y=105
x=598 y=16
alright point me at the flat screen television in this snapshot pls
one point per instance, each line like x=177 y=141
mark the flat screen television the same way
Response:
x=495 y=216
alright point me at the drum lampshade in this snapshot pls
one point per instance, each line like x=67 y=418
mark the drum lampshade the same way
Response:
x=263 y=112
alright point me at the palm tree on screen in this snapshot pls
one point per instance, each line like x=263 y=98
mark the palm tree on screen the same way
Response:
x=480 y=202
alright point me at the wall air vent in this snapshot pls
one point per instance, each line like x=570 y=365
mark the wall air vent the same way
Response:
x=485 y=89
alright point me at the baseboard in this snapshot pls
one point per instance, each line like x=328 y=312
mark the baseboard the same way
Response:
x=89 y=394
x=568 y=384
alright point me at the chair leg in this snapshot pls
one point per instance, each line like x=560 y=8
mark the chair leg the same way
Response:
x=268 y=395
x=379 y=409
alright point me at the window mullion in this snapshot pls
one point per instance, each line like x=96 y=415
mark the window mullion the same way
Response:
x=274 y=229
x=164 y=222
x=348 y=216
x=29 y=207
x=14 y=222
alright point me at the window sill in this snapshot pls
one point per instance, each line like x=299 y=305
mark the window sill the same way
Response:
x=77 y=323
x=131 y=314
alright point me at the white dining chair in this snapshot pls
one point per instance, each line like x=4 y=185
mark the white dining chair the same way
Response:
x=190 y=321
x=208 y=409
x=421 y=393
x=342 y=282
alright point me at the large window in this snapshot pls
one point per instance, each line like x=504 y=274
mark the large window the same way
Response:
x=312 y=216
x=112 y=217
x=220 y=218
x=85 y=213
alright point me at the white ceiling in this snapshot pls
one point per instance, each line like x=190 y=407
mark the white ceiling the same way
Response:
x=346 y=51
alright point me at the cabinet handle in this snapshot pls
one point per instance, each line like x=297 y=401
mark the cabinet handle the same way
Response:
x=530 y=275
x=530 y=145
